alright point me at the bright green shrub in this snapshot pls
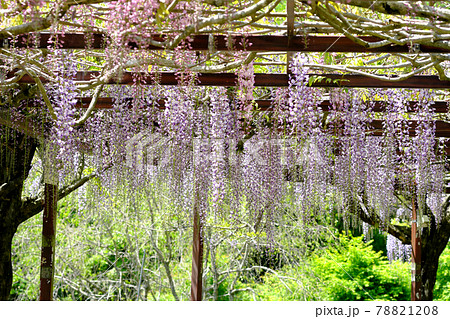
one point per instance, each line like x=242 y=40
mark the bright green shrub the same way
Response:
x=354 y=271
x=291 y=283
x=442 y=287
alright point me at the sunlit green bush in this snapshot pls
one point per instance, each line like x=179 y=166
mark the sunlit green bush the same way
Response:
x=442 y=288
x=352 y=270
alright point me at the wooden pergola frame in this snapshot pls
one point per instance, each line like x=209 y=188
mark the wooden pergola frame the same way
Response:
x=264 y=43
x=250 y=43
x=266 y=80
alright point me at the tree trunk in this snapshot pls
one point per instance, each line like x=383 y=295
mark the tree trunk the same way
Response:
x=433 y=238
x=434 y=241
x=6 y=274
x=16 y=154
x=429 y=267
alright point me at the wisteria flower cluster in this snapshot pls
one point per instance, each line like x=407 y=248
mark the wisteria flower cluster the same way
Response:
x=197 y=148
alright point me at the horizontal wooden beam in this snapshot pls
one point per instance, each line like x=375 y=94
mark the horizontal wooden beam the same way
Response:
x=268 y=80
x=265 y=105
x=376 y=126
x=251 y=43
x=442 y=128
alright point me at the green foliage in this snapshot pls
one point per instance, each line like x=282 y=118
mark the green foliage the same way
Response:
x=26 y=265
x=442 y=288
x=281 y=7
x=354 y=271
x=291 y=283
x=68 y=213
x=266 y=257
x=97 y=264
x=19 y=287
x=223 y=288
x=378 y=238
x=99 y=253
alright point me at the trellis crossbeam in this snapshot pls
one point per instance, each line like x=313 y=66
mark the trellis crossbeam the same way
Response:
x=251 y=43
x=268 y=80
x=263 y=105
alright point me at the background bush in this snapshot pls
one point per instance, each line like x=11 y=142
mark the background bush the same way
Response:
x=353 y=270
x=442 y=288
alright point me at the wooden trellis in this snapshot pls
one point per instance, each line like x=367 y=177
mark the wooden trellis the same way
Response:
x=252 y=43
x=267 y=80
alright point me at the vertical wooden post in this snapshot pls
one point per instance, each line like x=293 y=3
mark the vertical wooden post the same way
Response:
x=290 y=31
x=48 y=242
x=197 y=256
x=290 y=18
x=416 y=258
x=51 y=180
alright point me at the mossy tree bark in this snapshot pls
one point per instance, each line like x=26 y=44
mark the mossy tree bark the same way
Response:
x=434 y=240
x=16 y=153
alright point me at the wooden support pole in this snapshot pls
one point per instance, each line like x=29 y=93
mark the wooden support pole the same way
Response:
x=290 y=32
x=48 y=242
x=197 y=256
x=416 y=258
